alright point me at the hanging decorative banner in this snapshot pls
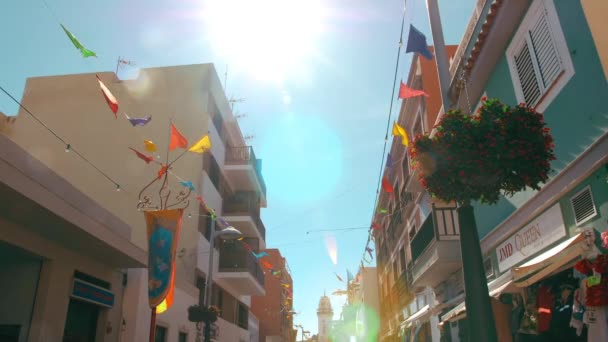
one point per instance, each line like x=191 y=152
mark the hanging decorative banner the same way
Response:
x=150 y=146
x=83 y=51
x=406 y=92
x=163 y=229
x=266 y=264
x=399 y=131
x=247 y=247
x=383 y=211
x=386 y=185
x=187 y=184
x=276 y=273
x=375 y=225
x=204 y=144
x=110 y=99
x=142 y=156
x=177 y=139
x=138 y=121
x=416 y=42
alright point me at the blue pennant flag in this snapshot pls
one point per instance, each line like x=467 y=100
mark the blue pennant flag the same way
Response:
x=389 y=161
x=416 y=42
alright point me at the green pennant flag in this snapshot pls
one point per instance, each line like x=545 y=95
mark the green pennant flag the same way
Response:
x=84 y=51
x=383 y=211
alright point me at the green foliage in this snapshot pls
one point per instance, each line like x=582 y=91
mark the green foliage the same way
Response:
x=498 y=150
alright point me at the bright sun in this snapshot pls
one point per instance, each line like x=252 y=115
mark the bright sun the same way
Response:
x=268 y=38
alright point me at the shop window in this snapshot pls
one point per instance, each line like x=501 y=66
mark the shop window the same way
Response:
x=538 y=57
x=161 y=334
x=182 y=337
x=583 y=206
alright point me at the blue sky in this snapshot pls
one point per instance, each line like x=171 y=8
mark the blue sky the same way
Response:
x=317 y=83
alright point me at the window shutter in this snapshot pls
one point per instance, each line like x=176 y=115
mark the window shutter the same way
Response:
x=527 y=75
x=545 y=52
x=583 y=206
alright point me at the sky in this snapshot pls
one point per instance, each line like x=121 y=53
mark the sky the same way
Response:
x=316 y=77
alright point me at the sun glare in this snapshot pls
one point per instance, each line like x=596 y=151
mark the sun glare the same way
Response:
x=269 y=39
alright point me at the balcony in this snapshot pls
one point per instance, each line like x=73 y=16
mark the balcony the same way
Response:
x=242 y=210
x=239 y=270
x=435 y=248
x=245 y=170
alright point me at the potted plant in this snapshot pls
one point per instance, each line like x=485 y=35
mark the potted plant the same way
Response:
x=499 y=150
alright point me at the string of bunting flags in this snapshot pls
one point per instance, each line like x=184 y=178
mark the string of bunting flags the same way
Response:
x=417 y=44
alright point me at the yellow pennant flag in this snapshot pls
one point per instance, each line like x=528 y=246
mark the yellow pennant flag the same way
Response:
x=400 y=131
x=202 y=145
x=150 y=146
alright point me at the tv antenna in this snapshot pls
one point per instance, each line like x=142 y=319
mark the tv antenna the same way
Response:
x=123 y=62
x=233 y=100
x=249 y=137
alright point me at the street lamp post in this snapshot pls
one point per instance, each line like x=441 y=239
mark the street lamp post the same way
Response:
x=228 y=233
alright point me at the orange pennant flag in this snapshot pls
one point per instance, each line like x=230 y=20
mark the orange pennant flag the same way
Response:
x=406 y=92
x=177 y=139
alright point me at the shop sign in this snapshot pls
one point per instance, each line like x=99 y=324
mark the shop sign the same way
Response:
x=535 y=236
x=92 y=293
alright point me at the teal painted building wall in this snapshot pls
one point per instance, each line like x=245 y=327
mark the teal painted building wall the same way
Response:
x=578 y=116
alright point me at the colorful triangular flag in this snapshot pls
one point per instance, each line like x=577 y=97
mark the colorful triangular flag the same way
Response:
x=138 y=121
x=406 y=92
x=150 y=146
x=110 y=99
x=142 y=156
x=204 y=144
x=187 y=184
x=177 y=139
x=416 y=42
x=400 y=131
x=386 y=185
x=83 y=51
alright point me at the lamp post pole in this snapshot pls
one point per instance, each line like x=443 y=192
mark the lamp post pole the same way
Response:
x=480 y=322
x=209 y=283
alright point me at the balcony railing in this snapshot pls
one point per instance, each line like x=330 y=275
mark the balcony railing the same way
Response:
x=235 y=258
x=442 y=224
x=245 y=155
x=245 y=203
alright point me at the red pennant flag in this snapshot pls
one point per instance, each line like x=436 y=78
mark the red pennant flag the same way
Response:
x=406 y=92
x=375 y=226
x=142 y=156
x=110 y=99
x=247 y=247
x=162 y=171
x=267 y=264
x=386 y=185
x=177 y=139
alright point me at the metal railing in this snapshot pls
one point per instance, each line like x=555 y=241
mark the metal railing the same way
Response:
x=441 y=224
x=240 y=155
x=245 y=203
x=235 y=258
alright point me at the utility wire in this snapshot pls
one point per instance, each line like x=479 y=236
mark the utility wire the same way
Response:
x=68 y=146
x=388 y=123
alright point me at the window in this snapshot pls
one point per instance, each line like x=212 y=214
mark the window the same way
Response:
x=583 y=206
x=402 y=256
x=395 y=272
x=161 y=334
x=538 y=57
x=182 y=337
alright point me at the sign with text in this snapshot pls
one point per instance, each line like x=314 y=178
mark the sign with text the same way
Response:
x=92 y=293
x=541 y=232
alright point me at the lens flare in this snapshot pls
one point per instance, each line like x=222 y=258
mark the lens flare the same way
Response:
x=332 y=248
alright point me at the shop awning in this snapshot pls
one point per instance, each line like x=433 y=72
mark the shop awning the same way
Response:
x=550 y=261
x=496 y=287
x=420 y=314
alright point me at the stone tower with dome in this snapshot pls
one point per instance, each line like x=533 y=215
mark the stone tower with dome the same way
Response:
x=325 y=315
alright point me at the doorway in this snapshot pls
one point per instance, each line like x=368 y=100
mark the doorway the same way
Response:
x=81 y=321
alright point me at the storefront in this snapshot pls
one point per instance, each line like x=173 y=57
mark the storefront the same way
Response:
x=552 y=287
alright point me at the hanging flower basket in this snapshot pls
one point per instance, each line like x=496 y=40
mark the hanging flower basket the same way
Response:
x=498 y=150
x=196 y=314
